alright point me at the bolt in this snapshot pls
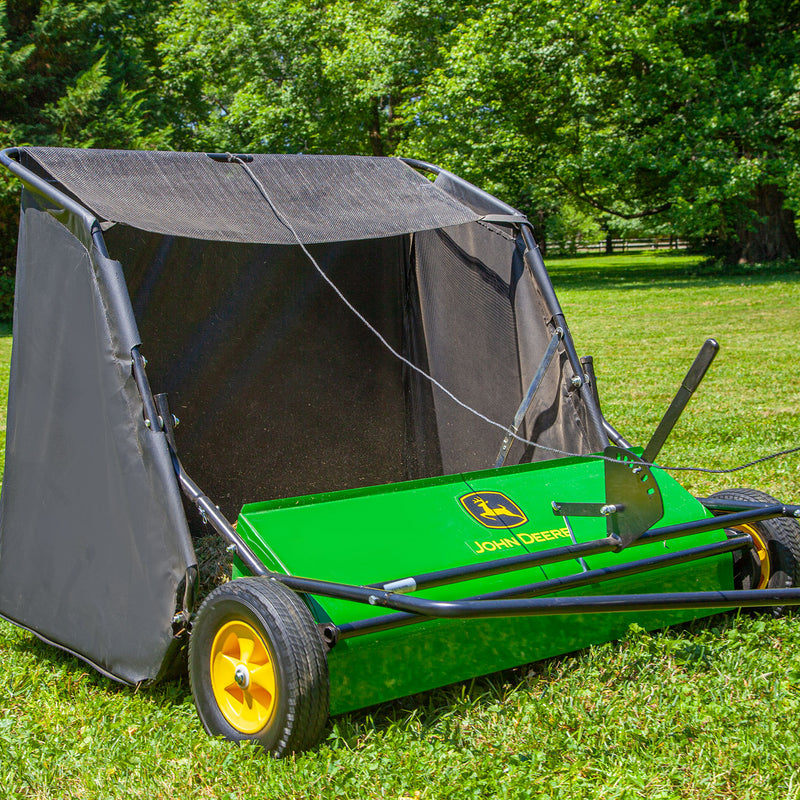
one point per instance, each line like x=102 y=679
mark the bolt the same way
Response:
x=242 y=676
x=576 y=381
x=606 y=511
x=175 y=421
x=231 y=548
x=147 y=423
x=797 y=513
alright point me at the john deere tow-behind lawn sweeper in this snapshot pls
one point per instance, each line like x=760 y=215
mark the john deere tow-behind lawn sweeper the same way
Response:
x=375 y=375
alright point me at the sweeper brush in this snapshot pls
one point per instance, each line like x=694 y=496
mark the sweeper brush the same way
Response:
x=398 y=445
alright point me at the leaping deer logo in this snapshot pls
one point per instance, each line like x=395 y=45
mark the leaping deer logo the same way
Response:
x=493 y=510
x=496 y=512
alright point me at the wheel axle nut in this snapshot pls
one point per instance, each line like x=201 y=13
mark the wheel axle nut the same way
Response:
x=242 y=676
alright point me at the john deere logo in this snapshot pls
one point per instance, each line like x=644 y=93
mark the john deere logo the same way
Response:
x=493 y=509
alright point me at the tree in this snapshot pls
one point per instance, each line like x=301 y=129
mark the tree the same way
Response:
x=283 y=76
x=638 y=110
x=77 y=76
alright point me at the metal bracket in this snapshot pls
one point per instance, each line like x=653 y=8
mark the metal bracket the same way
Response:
x=633 y=500
x=508 y=441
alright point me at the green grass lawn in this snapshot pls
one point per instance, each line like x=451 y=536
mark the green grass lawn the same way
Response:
x=706 y=710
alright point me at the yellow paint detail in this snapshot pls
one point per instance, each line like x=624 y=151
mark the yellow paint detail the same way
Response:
x=240 y=651
x=537 y=537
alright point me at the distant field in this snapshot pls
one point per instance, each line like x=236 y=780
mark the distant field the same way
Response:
x=703 y=711
x=644 y=317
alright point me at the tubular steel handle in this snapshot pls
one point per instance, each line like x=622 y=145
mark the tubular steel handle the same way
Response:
x=692 y=380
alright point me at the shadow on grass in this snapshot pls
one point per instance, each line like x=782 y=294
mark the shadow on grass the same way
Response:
x=173 y=690
x=631 y=272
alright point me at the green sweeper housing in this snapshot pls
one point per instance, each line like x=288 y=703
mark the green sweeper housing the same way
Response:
x=391 y=426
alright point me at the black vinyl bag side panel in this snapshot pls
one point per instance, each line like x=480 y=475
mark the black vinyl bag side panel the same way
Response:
x=93 y=539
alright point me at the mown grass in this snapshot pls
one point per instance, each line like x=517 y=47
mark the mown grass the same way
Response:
x=644 y=318
x=707 y=710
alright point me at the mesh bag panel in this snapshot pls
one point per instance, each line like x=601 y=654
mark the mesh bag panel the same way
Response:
x=472 y=349
x=326 y=198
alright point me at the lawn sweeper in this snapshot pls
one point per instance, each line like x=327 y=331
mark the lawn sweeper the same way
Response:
x=384 y=421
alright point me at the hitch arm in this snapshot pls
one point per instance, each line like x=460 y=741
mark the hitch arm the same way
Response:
x=692 y=380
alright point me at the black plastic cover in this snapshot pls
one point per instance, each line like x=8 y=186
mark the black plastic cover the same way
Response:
x=93 y=538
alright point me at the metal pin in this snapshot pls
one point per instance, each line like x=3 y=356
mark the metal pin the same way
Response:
x=574 y=541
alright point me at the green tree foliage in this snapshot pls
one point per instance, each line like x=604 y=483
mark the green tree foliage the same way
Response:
x=596 y=116
x=76 y=75
x=686 y=113
x=287 y=76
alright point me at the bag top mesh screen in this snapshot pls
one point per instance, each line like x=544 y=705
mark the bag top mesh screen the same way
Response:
x=326 y=198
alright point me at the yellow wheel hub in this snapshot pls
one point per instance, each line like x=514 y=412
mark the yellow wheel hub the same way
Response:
x=762 y=553
x=243 y=677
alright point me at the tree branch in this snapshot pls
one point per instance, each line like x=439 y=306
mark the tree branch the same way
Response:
x=587 y=198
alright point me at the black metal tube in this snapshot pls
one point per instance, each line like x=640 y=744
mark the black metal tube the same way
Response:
x=713 y=523
x=587 y=362
x=499 y=566
x=219 y=522
x=578 y=580
x=608 y=604
x=616 y=437
x=8 y=158
x=143 y=384
x=533 y=258
x=713 y=504
x=490 y=200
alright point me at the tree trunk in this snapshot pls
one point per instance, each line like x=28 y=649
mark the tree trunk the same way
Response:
x=774 y=237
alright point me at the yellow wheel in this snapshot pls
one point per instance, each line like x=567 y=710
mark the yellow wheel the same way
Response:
x=257 y=666
x=773 y=562
x=243 y=676
x=759 y=553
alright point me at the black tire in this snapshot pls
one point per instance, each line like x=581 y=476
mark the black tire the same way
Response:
x=774 y=563
x=289 y=652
